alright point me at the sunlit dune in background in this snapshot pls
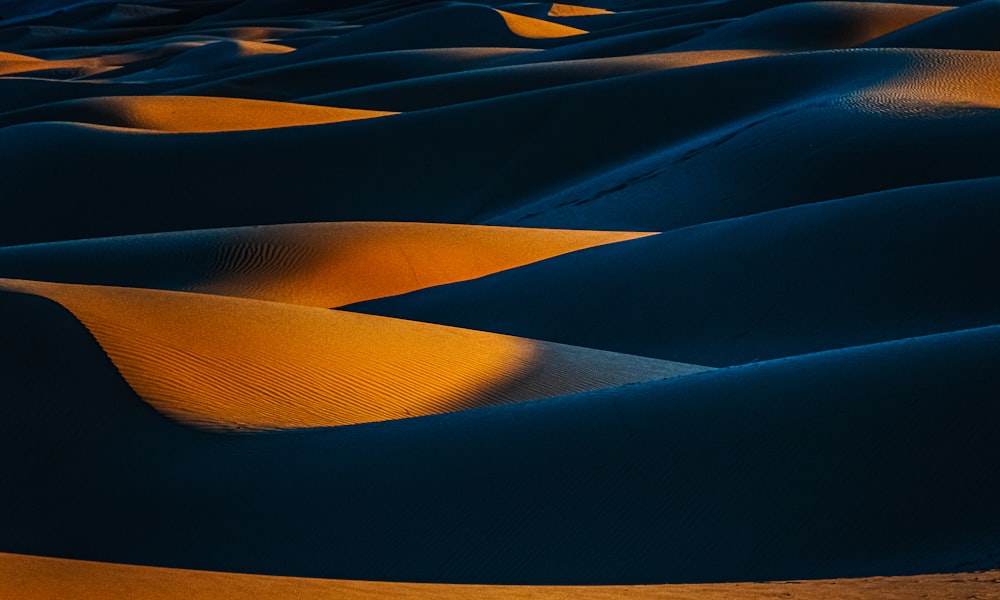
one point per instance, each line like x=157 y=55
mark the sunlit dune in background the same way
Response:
x=570 y=10
x=189 y=114
x=16 y=64
x=236 y=363
x=42 y=578
x=945 y=81
x=312 y=264
x=528 y=27
x=336 y=264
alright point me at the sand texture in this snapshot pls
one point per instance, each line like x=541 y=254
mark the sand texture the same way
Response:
x=392 y=298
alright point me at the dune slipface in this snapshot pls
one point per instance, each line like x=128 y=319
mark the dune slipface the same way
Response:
x=353 y=299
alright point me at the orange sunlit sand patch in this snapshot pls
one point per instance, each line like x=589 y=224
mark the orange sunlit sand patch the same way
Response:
x=191 y=114
x=247 y=364
x=529 y=27
x=312 y=264
x=571 y=10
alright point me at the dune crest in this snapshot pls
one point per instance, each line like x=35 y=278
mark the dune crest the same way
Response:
x=245 y=364
x=529 y=27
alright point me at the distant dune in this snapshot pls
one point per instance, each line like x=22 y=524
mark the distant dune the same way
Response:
x=621 y=298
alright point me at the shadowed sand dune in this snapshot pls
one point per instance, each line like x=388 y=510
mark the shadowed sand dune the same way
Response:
x=250 y=334
x=318 y=264
x=839 y=273
x=813 y=26
x=42 y=578
x=816 y=466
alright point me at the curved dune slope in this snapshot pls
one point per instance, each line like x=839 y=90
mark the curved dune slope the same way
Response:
x=827 y=275
x=420 y=93
x=23 y=66
x=969 y=27
x=317 y=264
x=571 y=10
x=529 y=27
x=42 y=578
x=187 y=114
x=813 y=26
x=237 y=363
x=812 y=467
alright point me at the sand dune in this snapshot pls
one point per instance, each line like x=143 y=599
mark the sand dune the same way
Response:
x=537 y=28
x=187 y=114
x=244 y=364
x=320 y=264
x=38 y=578
x=251 y=332
x=813 y=26
x=571 y=10
x=815 y=466
x=966 y=28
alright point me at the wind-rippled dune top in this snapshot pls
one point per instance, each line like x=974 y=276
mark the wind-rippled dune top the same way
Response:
x=627 y=298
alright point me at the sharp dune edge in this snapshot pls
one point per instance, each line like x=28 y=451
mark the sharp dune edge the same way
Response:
x=362 y=299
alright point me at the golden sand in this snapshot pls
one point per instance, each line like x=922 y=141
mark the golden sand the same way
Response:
x=528 y=27
x=943 y=80
x=223 y=362
x=42 y=578
x=570 y=10
x=335 y=264
x=18 y=64
x=201 y=114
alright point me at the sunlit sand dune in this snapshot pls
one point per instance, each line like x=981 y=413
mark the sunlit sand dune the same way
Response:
x=187 y=114
x=318 y=264
x=570 y=10
x=813 y=26
x=236 y=363
x=537 y=28
x=42 y=578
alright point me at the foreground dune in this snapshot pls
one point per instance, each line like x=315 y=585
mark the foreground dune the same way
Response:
x=246 y=364
x=810 y=467
x=38 y=578
x=317 y=264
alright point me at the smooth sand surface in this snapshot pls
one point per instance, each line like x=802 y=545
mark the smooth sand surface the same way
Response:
x=571 y=10
x=42 y=578
x=779 y=283
x=187 y=114
x=315 y=264
x=245 y=364
x=536 y=28
x=248 y=330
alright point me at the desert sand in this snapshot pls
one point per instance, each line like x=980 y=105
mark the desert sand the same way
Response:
x=621 y=298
